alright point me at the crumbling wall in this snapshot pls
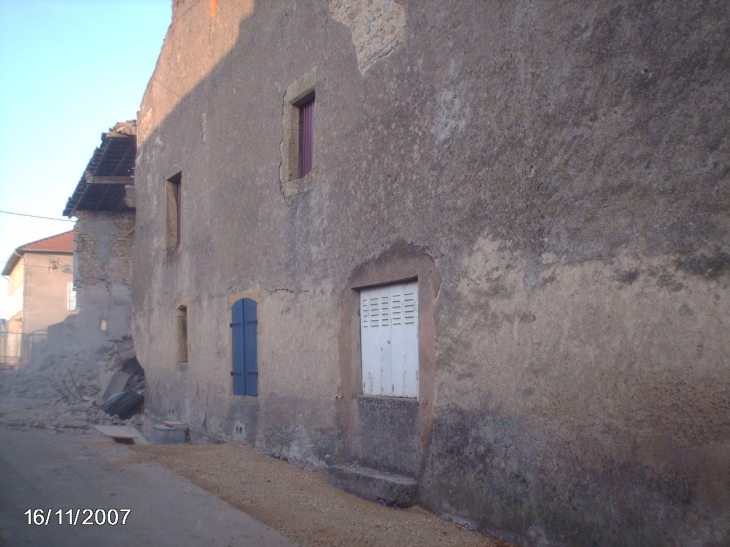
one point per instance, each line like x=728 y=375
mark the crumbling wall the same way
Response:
x=103 y=277
x=103 y=248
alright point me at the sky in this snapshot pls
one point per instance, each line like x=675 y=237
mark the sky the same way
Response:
x=69 y=70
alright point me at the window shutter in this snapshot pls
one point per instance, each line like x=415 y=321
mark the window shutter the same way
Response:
x=250 y=334
x=306 y=137
x=238 y=349
x=245 y=347
x=389 y=339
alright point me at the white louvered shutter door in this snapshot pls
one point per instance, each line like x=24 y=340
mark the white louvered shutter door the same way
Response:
x=389 y=338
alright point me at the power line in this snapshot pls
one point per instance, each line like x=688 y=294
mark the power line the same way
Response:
x=36 y=216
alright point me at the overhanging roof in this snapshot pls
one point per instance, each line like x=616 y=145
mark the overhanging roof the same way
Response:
x=103 y=186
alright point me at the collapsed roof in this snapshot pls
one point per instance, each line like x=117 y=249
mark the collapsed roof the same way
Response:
x=108 y=180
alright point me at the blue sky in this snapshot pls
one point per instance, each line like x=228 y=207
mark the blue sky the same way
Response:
x=69 y=70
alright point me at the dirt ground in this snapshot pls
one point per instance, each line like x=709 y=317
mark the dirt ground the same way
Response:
x=300 y=504
x=296 y=502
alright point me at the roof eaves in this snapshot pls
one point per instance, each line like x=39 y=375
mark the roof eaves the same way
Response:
x=12 y=262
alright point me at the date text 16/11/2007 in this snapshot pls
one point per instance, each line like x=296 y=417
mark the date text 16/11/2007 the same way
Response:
x=77 y=517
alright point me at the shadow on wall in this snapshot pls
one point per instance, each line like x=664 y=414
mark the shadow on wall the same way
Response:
x=223 y=22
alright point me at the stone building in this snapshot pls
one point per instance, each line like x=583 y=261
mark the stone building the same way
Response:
x=41 y=293
x=104 y=203
x=471 y=254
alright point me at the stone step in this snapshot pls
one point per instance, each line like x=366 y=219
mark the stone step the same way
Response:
x=374 y=485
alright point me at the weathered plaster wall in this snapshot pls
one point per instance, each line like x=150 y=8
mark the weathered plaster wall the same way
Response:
x=293 y=414
x=564 y=168
x=103 y=254
x=611 y=413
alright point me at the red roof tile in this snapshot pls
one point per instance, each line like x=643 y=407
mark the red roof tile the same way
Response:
x=62 y=243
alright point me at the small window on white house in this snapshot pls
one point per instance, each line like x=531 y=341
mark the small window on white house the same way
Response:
x=103 y=325
x=389 y=339
x=71 y=297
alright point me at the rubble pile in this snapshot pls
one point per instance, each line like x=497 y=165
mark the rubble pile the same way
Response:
x=64 y=391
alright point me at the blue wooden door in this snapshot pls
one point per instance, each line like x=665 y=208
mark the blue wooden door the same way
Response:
x=245 y=352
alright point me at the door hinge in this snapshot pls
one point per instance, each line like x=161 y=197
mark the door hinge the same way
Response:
x=254 y=322
x=256 y=372
x=233 y=373
x=235 y=324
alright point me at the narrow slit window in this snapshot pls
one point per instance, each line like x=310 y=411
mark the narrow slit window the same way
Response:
x=173 y=189
x=306 y=136
x=182 y=334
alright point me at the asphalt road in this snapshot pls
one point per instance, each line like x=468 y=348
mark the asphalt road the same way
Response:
x=70 y=471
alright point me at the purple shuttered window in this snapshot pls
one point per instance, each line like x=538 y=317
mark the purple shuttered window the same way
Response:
x=306 y=136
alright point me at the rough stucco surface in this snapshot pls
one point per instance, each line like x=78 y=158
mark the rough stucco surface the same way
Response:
x=563 y=165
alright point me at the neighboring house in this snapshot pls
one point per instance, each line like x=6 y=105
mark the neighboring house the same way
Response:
x=472 y=252
x=103 y=203
x=41 y=294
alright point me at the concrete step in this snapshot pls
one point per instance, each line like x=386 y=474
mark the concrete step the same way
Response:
x=374 y=485
x=165 y=434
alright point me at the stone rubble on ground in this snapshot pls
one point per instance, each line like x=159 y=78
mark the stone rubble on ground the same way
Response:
x=62 y=390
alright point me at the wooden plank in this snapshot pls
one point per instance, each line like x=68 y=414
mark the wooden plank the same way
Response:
x=118 y=431
x=123 y=432
x=92 y=179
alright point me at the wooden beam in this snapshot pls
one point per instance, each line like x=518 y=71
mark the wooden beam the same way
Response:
x=91 y=179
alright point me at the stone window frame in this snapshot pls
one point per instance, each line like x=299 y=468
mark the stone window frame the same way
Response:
x=299 y=92
x=402 y=262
